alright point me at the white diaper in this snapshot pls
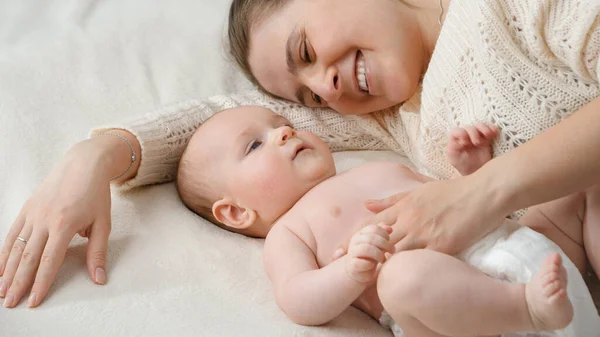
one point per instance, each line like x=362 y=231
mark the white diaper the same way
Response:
x=514 y=253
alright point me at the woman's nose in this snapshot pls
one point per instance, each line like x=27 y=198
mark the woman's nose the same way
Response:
x=327 y=85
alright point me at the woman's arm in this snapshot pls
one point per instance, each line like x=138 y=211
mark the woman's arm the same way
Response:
x=163 y=134
x=75 y=198
x=451 y=215
x=563 y=160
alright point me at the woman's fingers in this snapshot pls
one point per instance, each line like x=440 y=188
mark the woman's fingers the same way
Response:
x=377 y=206
x=409 y=243
x=96 y=251
x=14 y=231
x=26 y=269
x=13 y=262
x=52 y=258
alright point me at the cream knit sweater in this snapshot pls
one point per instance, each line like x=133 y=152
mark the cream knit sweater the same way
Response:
x=523 y=65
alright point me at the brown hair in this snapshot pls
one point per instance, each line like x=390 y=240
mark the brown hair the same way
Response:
x=196 y=188
x=243 y=15
x=193 y=190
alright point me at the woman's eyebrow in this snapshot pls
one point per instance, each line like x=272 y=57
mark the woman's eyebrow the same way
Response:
x=289 y=56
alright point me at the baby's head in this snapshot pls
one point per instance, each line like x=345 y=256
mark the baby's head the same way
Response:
x=245 y=167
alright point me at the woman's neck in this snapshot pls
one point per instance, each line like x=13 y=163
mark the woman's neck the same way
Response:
x=427 y=16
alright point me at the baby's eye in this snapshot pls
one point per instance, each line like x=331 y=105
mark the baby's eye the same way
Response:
x=255 y=145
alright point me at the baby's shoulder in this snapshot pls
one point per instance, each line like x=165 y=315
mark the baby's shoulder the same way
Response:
x=291 y=224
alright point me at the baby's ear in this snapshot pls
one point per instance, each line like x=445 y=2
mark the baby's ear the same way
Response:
x=232 y=215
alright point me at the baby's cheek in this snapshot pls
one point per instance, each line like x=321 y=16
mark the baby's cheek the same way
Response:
x=269 y=180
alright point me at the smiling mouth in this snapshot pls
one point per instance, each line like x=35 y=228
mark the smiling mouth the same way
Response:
x=361 y=72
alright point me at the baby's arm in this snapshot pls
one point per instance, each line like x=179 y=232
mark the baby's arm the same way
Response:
x=470 y=147
x=312 y=296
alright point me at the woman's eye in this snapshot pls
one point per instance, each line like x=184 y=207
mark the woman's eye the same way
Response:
x=316 y=98
x=255 y=145
x=305 y=53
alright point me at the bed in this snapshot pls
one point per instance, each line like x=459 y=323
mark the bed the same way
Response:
x=67 y=66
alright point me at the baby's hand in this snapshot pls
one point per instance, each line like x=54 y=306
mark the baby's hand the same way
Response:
x=469 y=148
x=366 y=251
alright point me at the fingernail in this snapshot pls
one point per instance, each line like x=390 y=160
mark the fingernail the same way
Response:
x=31 y=300
x=100 y=275
x=2 y=290
x=8 y=301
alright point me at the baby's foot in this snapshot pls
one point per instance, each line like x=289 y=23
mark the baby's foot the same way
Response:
x=470 y=147
x=546 y=295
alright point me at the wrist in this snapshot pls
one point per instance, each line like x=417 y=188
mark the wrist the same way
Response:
x=122 y=153
x=499 y=191
x=108 y=155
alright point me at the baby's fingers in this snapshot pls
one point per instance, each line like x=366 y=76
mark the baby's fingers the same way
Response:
x=362 y=265
x=475 y=135
x=488 y=131
x=379 y=241
x=379 y=229
x=367 y=251
x=459 y=138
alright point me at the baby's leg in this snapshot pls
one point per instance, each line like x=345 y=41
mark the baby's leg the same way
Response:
x=561 y=221
x=430 y=294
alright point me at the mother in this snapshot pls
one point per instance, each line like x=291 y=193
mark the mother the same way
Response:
x=523 y=65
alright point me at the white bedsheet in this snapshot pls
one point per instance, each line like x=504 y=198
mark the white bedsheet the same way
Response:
x=69 y=65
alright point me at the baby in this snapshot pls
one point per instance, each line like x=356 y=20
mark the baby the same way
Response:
x=249 y=172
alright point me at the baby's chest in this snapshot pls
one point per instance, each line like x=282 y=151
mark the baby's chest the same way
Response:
x=334 y=225
x=338 y=217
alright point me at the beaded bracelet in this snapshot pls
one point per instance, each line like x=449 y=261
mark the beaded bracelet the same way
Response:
x=133 y=156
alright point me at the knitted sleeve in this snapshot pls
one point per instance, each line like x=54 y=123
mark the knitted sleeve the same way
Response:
x=573 y=30
x=163 y=134
x=562 y=34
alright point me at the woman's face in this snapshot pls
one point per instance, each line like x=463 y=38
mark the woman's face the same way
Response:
x=355 y=56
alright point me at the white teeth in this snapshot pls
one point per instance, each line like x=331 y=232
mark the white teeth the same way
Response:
x=361 y=75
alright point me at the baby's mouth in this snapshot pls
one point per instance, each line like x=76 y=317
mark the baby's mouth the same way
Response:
x=300 y=148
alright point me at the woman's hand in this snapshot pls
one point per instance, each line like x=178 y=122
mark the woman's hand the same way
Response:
x=447 y=216
x=74 y=198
